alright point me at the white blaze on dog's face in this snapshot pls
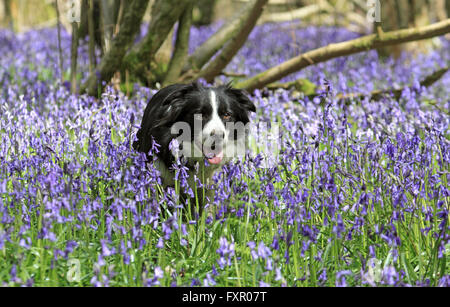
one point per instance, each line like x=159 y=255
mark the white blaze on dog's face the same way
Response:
x=214 y=135
x=200 y=118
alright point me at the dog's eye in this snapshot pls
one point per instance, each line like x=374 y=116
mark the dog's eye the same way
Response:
x=227 y=116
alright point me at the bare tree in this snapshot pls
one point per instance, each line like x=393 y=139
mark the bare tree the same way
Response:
x=403 y=14
x=165 y=14
x=112 y=60
x=137 y=61
x=91 y=21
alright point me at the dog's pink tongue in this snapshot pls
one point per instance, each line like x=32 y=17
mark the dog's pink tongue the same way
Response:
x=217 y=159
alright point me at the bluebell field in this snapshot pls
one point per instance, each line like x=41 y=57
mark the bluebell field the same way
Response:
x=358 y=195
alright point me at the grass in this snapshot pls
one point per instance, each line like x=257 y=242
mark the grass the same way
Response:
x=301 y=261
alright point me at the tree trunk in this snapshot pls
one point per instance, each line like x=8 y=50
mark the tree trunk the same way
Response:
x=60 y=53
x=9 y=21
x=448 y=8
x=208 y=49
x=91 y=27
x=74 y=58
x=160 y=62
x=214 y=68
x=342 y=49
x=181 y=47
x=112 y=60
x=205 y=9
x=84 y=20
x=124 y=4
x=403 y=14
x=97 y=14
x=439 y=10
x=110 y=11
x=165 y=13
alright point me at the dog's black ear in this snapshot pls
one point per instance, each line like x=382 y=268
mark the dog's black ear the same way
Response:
x=173 y=93
x=174 y=102
x=241 y=97
x=164 y=107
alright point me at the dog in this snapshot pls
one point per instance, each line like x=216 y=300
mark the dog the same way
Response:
x=208 y=126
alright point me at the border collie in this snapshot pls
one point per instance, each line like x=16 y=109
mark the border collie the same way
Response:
x=209 y=125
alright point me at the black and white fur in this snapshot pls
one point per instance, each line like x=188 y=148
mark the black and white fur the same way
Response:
x=180 y=103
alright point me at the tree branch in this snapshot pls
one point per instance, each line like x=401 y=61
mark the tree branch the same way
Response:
x=309 y=89
x=215 y=67
x=302 y=85
x=397 y=93
x=212 y=45
x=300 y=13
x=342 y=49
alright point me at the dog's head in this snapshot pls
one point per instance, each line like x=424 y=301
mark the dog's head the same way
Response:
x=205 y=120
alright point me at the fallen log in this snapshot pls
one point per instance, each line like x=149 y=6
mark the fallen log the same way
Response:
x=331 y=51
